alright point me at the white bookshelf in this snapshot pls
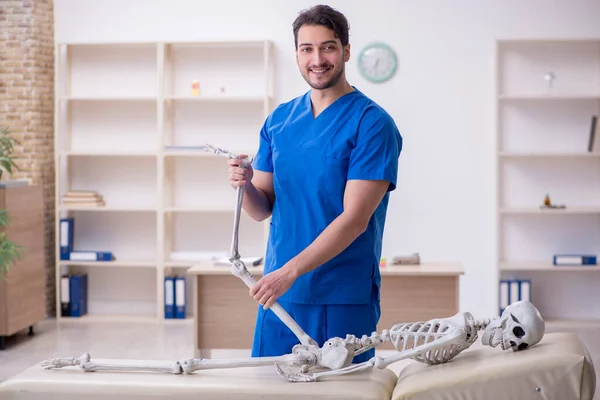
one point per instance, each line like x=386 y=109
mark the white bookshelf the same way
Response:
x=542 y=149
x=118 y=105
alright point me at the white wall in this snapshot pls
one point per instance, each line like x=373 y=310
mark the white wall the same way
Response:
x=442 y=97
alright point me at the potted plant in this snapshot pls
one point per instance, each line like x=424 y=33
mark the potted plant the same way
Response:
x=10 y=252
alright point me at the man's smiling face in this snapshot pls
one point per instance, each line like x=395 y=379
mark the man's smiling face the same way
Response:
x=320 y=56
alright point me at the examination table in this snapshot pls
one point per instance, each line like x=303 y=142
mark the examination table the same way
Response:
x=559 y=367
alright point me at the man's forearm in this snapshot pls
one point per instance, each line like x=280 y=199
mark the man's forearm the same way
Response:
x=256 y=203
x=338 y=235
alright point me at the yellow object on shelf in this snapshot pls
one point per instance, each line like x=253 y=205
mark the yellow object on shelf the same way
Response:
x=195 y=87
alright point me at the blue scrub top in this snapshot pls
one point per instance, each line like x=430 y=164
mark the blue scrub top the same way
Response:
x=311 y=160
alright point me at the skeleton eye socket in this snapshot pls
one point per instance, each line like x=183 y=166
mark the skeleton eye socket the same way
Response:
x=518 y=332
x=514 y=319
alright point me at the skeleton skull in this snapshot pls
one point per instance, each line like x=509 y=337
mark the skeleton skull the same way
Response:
x=520 y=326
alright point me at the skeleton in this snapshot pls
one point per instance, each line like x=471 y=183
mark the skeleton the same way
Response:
x=433 y=342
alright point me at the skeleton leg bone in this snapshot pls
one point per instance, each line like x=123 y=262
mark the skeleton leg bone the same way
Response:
x=188 y=365
x=191 y=365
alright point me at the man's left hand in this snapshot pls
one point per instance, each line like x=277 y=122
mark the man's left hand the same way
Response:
x=271 y=286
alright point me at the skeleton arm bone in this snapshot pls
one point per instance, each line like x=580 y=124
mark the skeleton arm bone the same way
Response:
x=238 y=268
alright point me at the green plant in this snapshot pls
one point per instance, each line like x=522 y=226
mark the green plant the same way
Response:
x=10 y=252
x=7 y=147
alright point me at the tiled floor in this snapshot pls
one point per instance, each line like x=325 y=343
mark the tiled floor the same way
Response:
x=171 y=341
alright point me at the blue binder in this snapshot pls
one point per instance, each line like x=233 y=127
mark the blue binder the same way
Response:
x=513 y=290
x=169 y=297
x=180 y=297
x=574 y=259
x=66 y=237
x=78 y=287
x=90 y=255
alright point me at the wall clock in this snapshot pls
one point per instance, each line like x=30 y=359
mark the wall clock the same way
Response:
x=377 y=62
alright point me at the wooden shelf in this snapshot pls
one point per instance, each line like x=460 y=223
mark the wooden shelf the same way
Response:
x=126 y=318
x=543 y=128
x=108 y=209
x=549 y=155
x=115 y=153
x=117 y=107
x=210 y=208
x=218 y=98
x=564 y=323
x=115 y=264
x=544 y=266
x=108 y=98
x=553 y=212
x=549 y=97
x=220 y=44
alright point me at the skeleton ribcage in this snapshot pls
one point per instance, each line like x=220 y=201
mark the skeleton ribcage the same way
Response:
x=412 y=335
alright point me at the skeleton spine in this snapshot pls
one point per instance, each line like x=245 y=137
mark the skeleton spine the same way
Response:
x=367 y=341
x=481 y=324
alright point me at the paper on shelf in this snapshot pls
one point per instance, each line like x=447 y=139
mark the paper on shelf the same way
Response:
x=249 y=261
x=196 y=255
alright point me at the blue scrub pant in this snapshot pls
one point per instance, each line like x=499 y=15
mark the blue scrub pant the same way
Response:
x=321 y=322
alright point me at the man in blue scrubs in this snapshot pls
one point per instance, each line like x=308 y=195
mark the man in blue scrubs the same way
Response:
x=326 y=164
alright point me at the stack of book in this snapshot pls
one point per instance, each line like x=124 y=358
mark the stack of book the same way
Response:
x=83 y=198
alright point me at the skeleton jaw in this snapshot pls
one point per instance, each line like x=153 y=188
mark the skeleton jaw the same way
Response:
x=494 y=341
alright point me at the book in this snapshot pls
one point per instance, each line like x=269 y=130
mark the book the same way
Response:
x=594 y=138
x=83 y=198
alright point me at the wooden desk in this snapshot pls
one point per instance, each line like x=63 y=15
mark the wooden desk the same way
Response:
x=225 y=314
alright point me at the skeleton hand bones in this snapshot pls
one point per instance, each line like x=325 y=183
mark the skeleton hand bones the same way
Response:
x=435 y=341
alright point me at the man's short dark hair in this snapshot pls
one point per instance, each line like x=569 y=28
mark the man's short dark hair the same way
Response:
x=325 y=16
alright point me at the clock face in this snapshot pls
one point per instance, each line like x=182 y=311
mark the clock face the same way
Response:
x=377 y=62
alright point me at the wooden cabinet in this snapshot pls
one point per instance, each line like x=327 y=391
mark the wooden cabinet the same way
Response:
x=22 y=289
x=225 y=315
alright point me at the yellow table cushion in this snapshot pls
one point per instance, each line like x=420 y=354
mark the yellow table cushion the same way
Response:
x=559 y=367
x=71 y=383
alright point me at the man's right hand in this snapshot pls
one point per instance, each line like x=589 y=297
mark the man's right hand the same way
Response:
x=239 y=176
